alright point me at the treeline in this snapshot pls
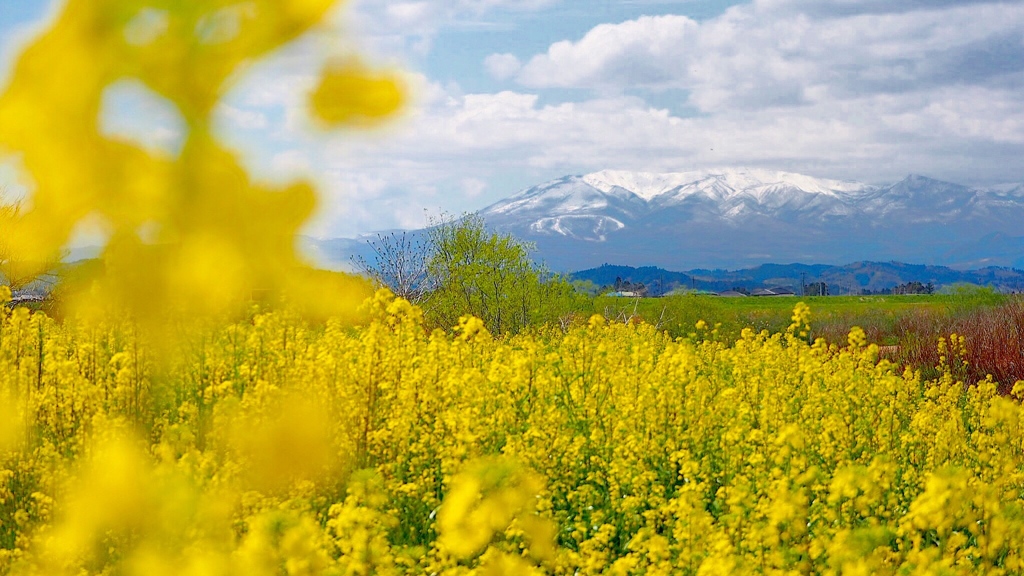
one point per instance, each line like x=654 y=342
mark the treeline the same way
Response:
x=627 y=287
x=907 y=288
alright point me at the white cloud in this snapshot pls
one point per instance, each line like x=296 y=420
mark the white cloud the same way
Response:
x=648 y=51
x=242 y=118
x=749 y=57
x=410 y=13
x=502 y=66
x=132 y=112
x=473 y=187
x=293 y=163
x=753 y=56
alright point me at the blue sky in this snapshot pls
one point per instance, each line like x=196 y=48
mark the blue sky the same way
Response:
x=511 y=93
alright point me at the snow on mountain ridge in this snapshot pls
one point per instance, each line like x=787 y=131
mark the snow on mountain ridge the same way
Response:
x=646 y=185
x=724 y=182
x=583 y=227
x=598 y=206
x=565 y=194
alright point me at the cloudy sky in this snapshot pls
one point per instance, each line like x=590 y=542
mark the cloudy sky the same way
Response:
x=511 y=93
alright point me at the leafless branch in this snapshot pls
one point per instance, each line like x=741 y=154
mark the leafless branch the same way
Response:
x=399 y=263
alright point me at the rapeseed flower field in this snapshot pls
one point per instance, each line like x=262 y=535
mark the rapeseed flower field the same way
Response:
x=161 y=427
x=270 y=445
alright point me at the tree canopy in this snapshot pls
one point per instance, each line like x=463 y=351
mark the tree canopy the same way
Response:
x=460 y=267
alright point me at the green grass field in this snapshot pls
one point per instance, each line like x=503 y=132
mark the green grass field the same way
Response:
x=832 y=316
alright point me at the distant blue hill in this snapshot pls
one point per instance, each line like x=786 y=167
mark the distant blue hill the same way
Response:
x=849 y=278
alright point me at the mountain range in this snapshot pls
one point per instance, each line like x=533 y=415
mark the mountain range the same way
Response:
x=847 y=279
x=739 y=218
x=743 y=218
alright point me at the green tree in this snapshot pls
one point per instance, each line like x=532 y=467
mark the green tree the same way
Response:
x=816 y=289
x=490 y=275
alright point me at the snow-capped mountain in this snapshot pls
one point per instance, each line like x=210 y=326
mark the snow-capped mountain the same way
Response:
x=741 y=217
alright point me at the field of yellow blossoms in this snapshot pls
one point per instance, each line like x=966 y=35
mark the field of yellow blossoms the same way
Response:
x=269 y=445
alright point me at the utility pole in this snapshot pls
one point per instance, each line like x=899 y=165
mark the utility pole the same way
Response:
x=803 y=283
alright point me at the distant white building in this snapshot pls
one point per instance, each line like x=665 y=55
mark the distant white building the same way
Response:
x=773 y=292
